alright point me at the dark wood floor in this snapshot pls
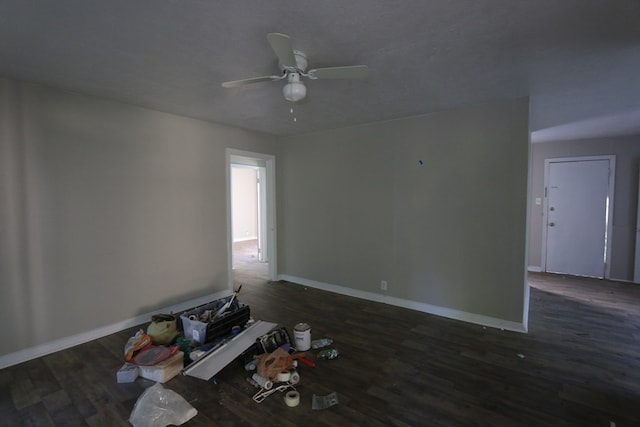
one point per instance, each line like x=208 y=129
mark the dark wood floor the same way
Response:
x=579 y=365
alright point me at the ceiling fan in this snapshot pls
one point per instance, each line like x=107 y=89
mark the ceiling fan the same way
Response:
x=293 y=64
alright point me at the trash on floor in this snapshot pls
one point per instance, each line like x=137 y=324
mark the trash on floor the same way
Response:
x=127 y=373
x=324 y=342
x=215 y=334
x=165 y=370
x=264 y=393
x=158 y=406
x=292 y=398
x=228 y=349
x=218 y=318
x=163 y=329
x=324 y=402
x=136 y=343
x=271 y=364
x=205 y=329
x=153 y=354
x=328 y=354
x=302 y=334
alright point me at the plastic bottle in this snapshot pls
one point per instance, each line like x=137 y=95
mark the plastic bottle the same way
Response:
x=328 y=354
x=315 y=344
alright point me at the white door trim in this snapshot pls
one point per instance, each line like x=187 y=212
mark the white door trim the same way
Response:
x=612 y=176
x=263 y=227
x=250 y=158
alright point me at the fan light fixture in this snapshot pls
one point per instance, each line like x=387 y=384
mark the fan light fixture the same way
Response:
x=293 y=67
x=295 y=90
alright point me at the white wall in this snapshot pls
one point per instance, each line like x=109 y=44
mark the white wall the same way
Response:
x=627 y=152
x=244 y=202
x=356 y=206
x=108 y=211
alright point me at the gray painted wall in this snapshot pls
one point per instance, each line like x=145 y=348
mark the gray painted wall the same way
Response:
x=627 y=152
x=108 y=211
x=355 y=206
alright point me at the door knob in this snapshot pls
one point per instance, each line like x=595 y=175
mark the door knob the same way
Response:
x=551 y=224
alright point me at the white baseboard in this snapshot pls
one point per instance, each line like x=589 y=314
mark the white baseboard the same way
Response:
x=535 y=269
x=413 y=305
x=525 y=313
x=83 y=337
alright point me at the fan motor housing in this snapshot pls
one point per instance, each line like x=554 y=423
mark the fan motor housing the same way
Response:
x=301 y=63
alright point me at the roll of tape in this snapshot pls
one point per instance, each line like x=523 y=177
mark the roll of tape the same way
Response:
x=264 y=383
x=294 y=378
x=292 y=398
x=283 y=377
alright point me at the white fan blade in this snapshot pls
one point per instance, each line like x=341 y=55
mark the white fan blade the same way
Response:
x=348 y=72
x=281 y=45
x=243 y=82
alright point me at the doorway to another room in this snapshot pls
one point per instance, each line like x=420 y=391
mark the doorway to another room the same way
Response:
x=251 y=207
x=577 y=215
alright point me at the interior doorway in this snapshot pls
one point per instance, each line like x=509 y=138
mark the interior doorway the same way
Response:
x=251 y=216
x=577 y=215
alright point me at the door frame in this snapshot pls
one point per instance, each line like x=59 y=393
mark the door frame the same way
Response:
x=268 y=161
x=609 y=208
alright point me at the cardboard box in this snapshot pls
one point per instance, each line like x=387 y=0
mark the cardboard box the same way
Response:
x=165 y=370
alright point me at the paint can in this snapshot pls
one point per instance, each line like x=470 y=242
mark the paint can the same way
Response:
x=302 y=335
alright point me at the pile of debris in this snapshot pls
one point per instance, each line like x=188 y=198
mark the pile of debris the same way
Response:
x=202 y=341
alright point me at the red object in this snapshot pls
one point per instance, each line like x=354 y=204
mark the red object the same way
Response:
x=153 y=354
x=307 y=362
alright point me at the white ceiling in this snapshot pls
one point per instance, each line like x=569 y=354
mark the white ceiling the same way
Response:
x=578 y=60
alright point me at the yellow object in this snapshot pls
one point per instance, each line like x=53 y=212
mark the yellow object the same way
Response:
x=163 y=329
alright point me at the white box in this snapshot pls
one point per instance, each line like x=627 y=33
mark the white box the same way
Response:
x=127 y=374
x=165 y=370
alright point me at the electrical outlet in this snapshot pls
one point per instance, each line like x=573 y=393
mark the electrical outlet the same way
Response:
x=383 y=285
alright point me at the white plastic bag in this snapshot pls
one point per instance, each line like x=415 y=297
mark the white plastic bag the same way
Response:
x=160 y=407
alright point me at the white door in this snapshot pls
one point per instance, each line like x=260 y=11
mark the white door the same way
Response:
x=577 y=217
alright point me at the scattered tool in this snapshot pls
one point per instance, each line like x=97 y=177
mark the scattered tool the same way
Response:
x=227 y=304
x=307 y=362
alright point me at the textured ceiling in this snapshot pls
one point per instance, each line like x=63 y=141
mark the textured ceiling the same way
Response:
x=578 y=60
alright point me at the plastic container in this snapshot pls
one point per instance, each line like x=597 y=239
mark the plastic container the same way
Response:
x=328 y=354
x=324 y=342
x=302 y=335
x=205 y=331
x=165 y=370
x=127 y=373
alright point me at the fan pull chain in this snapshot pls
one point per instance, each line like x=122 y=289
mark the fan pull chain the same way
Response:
x=292 y=113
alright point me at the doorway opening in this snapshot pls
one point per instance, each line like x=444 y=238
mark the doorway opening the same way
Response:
x=577 y=215
x=251 y=216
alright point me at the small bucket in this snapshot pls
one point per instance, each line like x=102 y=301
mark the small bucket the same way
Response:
x=302 y=334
